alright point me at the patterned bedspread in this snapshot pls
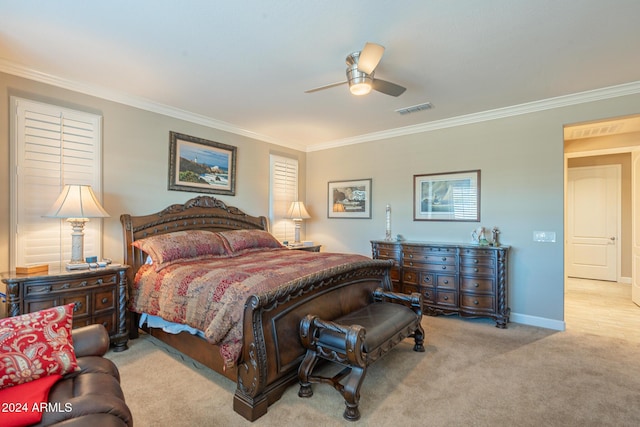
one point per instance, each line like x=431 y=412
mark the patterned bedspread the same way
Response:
x=209 y=295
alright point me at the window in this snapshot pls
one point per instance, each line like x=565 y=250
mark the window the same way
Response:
x=50 y=146
x=283 y=190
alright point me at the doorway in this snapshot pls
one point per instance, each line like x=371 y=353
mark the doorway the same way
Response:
x=590 y=145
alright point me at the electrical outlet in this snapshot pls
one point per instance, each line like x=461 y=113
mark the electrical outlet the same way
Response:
x=544 y=236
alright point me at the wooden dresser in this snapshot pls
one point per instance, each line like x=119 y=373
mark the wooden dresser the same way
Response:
x=468 y=280
x=98 y=295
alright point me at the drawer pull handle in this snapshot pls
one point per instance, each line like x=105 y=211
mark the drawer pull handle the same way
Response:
x=426 y=294
x=411 y=263
x=444 y=258
x=475 y=261
x=76 y=306
x=475 y=285
x=475 y=302
x=427 y=279
x=83 y=283
x=104 y=324
x=446 y=282
x=409 y=276
x=475 y=269
x=444 y=267
x=445 y=298
x=105 y=300
x=410 y=255
x=99 y=281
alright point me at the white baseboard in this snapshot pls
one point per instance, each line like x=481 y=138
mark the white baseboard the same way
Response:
x=542 y=322
x=626 y=280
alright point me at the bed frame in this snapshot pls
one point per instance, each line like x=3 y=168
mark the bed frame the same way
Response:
x=272 y=350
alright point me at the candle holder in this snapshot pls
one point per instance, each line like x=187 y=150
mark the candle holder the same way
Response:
x=387 y=234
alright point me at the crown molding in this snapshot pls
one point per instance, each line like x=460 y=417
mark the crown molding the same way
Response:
x=498 y=113
x=137 y=102
x=155 y=107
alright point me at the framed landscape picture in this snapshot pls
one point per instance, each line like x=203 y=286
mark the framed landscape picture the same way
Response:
x=452 y=196
x=349 y=199
x=201 y=166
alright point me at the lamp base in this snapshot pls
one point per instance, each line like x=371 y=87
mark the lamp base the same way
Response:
x=77 y=266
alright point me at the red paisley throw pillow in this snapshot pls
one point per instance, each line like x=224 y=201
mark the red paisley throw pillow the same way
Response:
x=36 y=345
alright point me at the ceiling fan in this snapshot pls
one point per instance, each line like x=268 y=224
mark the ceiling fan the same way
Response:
x=360 y=69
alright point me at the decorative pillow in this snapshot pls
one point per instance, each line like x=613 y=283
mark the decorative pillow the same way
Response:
x=245 y=240
x=36 y=345
x=167 y=249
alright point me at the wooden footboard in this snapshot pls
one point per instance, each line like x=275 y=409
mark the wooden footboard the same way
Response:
x=272 y=349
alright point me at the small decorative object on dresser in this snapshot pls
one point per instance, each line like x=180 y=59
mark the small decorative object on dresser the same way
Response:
x=469 y=280
x=98 y=295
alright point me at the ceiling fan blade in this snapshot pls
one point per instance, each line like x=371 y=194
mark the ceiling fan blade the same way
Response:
x=325 y=87
x=387 y=88
x=370 y=57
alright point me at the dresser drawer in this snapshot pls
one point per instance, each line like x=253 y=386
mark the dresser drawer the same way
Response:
x=476 y=285
x=80 y=304
x=475 y=261
x=477 y=252
x=447 y=298
x=477 y=302
x=428 y=294
x=429 y=257
x=477 y=270
x=104 y=300
x=449 y=282
x=54 y=286
x=417 y=277
x=108 y=320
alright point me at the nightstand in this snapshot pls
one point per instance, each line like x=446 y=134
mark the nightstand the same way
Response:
x=99 y=295
x=314 y=248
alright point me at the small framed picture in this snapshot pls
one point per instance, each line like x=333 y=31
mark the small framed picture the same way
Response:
x=349 y=199
x=452 y=196
x=201 y=166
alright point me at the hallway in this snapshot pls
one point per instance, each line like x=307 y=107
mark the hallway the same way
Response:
x=601 y=308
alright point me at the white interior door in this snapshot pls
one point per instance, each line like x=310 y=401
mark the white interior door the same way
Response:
x=635 y=211
x=593 y=212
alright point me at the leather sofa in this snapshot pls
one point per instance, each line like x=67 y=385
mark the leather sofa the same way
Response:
x=92 y=396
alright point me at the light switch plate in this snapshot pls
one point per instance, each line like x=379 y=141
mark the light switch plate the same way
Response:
x=544 y=236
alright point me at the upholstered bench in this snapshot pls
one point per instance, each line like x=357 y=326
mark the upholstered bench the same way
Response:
x=356 y=340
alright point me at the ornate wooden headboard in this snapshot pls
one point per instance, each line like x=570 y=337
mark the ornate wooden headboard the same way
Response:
x=199 y=213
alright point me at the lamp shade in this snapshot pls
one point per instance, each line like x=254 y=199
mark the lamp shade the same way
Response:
x=77 y=201
x=297 y=211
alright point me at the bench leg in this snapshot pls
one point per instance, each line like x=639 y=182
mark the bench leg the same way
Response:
x=351 y=393
x=305 y=369
x=418 y=336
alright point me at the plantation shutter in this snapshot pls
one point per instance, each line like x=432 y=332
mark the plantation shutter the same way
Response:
x=284 y=190
x=51 y=146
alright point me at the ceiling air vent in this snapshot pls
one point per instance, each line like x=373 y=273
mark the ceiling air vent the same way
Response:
x=414 y=108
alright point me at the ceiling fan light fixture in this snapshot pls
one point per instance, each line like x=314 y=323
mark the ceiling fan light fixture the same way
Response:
x=360 y=88
x=359 y=82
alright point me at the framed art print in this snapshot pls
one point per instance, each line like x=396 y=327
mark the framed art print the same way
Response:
x=452 y=196
x=201 y=166
x=349 y=199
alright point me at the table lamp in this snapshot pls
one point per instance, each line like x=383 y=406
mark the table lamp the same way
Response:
x=297 y=212
x=77 y=203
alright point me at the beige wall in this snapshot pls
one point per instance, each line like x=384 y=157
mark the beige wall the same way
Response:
x=522 y=179
x=522 y=190
x=136 y=159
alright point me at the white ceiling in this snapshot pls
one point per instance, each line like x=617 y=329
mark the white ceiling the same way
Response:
x=244 y=65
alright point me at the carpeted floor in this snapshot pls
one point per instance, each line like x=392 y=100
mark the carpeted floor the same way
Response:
x=472 y=374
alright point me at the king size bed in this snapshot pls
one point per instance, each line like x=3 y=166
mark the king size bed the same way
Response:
x=242 y=294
